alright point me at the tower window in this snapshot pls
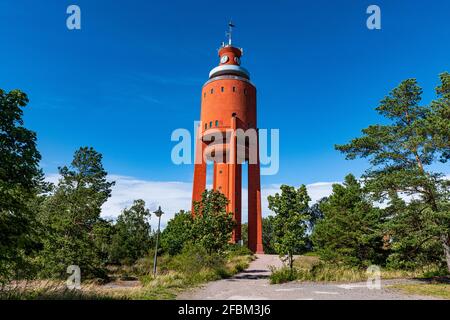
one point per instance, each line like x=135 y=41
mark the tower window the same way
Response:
x=206 y=126
x=212 y=91
x=217 y=123
x=234 y=89
x=204 y=95
x=210 y=124
x=245 y=91
x=222 y=89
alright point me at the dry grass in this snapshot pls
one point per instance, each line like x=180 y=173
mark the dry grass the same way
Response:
x=51 y=290
x=164 y=286
x=439 y=290
x=310 y=268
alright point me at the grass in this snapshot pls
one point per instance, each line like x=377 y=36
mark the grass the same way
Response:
x=51 y=290
x=439 y=290
x=175 y=275
x=310 y=268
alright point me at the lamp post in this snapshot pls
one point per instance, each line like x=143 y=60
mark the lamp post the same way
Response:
x=158 y=213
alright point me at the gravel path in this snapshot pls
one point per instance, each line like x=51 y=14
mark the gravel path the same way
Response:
x=253 y=284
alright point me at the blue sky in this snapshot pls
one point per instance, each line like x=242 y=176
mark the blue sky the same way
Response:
x=134 y=73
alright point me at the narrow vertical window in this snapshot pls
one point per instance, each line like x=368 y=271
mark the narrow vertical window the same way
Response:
x=210 y=124
x=222 y=88
x=245 y=91
x=234 y=89
x=204 y=95
x=212 y=91
x=217 y=123
x=206 y=126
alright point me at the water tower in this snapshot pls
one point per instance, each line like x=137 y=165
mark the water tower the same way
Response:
x=228 y=105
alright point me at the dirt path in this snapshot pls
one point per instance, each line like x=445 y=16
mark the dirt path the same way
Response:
x=253 y=284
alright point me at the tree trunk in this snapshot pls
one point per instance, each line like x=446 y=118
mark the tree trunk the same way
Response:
x=446 y=245
x=291 y=261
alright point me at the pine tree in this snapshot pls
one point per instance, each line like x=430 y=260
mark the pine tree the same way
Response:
x=351 y=229
x=71 y=215
x=20 y=182
x=402 y=150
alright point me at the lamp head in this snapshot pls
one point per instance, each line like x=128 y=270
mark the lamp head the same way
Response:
x=158 y=212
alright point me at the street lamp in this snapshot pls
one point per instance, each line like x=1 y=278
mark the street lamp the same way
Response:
x=158 y=213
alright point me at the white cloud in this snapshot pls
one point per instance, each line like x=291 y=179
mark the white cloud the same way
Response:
x=174 y=196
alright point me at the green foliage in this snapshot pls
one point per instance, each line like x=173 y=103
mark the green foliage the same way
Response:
x=20 y=181
x=213 y=225
x=177 y=233
x=193 y=260
x=411 y=232
x=72 y=214
x=103 y=231
x=235 y=250
x=268 y=234
x=400 y=152
x=132 y=234
x=290 y=223
x=350 y=231
x=283 y=275
x=439 y=119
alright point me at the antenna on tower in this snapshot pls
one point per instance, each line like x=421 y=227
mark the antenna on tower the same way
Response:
x=230 y=31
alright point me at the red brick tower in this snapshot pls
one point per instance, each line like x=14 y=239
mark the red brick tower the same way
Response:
x=228 y=104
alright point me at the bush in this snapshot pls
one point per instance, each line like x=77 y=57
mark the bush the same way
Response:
x=213 y=225
x=235 y=250
x=131 y=238
x=194 y=260
x=283 y=275
x=177 y=233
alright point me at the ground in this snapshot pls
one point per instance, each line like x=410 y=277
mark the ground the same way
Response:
x=253 y=283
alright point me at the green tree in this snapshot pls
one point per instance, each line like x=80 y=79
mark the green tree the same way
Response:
x=412 y=238
x=401 y=151
x=71 y=215
x=20 y=181
x=132 y=237
x=351 y=229
x=290 y=223
x=439 y=119
x=213 y=225
x=268 y=234
x=177 y=233
x=103 y=232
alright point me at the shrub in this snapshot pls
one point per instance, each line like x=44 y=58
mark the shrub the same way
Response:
x=177 y=233
x=213 y=225
x=283 y=275
x=238 y=250
x=195 y=263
